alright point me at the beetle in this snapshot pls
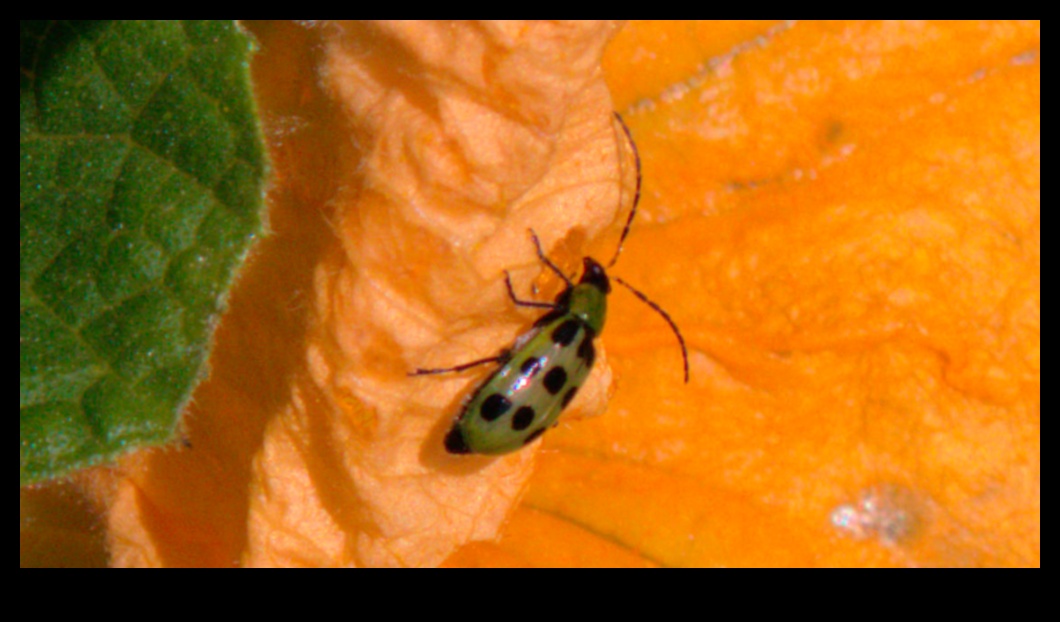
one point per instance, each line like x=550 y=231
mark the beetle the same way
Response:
x=538 y=376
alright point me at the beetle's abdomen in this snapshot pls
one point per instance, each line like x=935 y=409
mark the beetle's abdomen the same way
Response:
x=524 y=397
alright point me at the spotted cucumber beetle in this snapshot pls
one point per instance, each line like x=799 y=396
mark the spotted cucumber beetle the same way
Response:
x=541 y=373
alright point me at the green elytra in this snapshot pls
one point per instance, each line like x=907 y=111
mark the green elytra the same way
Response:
x=541 y=373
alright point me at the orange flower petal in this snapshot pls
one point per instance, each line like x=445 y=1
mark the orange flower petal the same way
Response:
x=842 y=217
x=848 y=232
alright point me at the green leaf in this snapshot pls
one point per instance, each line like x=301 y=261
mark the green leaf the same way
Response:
x=141 y=171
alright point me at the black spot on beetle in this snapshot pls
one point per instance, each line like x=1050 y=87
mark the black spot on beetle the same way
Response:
x=555 y=379
x=565 y=333
x=523 y=418
x=534 y=436
x=549 y=317
x=569 y=395
x=494 y=406
x=531 y=367
x=586 y=351
x=455 y=443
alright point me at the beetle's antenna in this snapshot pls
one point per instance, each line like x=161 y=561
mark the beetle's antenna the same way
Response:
x=636 y=194
x=666 y=316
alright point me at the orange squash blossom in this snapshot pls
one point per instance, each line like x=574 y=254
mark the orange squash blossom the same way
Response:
x=844 y=218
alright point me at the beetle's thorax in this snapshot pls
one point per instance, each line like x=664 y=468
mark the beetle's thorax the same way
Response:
x=588 y=299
